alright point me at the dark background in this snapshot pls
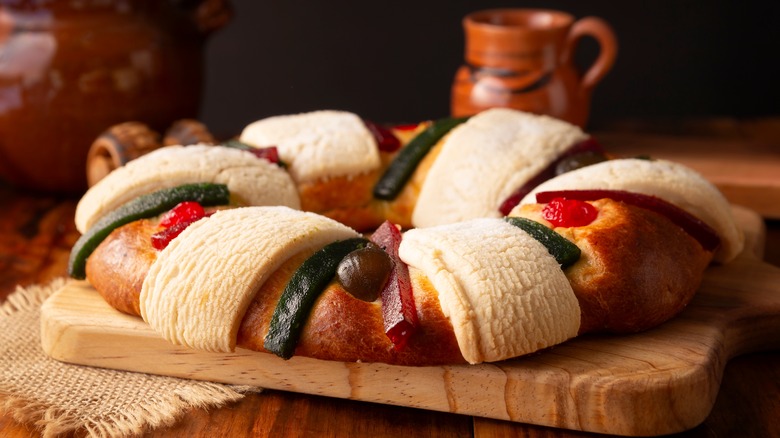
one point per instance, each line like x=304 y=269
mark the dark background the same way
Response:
x=394 y=61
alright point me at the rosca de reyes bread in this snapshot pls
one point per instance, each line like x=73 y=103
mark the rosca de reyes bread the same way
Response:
x=672 y=182
x=624 y=258
x=446 y=171
x=251 y=181
x=219 y=282
x=485 y=160
x=196 y=293
x=681 y=223
x=616 y=289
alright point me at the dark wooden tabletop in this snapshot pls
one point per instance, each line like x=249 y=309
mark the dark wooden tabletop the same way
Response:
x=37 y=231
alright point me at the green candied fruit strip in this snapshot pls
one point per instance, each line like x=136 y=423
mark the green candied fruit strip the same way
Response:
x=145 y=206
x=236 y=144
x=298 y=297
x=565 y=252
x=403 y=166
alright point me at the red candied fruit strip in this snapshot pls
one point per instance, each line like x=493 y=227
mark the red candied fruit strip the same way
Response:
x=513 y=199
x=588 y=145
x=703 y=233
x=161 y=239
x=270 y=153
x=406 y=127
x=186 y=211
x=398 y=309
x=385 y=139
x=563 y=212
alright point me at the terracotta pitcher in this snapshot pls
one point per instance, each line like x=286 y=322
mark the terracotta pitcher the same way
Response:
x=69 y=70
x=522 y=59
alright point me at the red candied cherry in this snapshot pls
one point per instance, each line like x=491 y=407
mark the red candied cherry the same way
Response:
x=707 y=237
x=177 y=220
x=562 y=212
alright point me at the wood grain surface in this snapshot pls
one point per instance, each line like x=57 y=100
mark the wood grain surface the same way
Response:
x=654 y=383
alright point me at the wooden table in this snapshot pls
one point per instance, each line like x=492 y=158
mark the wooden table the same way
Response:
x=36 y=233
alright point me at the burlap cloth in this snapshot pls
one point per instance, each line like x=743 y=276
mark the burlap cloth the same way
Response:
x=62 y=398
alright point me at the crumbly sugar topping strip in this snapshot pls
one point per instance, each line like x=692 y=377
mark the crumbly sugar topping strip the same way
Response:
x=317 y=145
x=502 y=291
x=251 y=181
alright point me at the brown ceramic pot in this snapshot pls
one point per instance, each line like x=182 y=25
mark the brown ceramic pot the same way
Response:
x=69 y=70
x=522 y=59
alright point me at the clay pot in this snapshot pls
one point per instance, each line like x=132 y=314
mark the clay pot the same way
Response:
x=522 y=59
x=69 y=70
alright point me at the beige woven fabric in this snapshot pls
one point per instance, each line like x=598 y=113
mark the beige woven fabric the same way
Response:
x=62 y=398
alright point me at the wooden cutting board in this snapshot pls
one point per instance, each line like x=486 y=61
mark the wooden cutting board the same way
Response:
x=658 y=382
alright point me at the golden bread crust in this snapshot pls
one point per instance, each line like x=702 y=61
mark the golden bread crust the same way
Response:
x=344 y=328
x=340 y=327
x=118 y=266
x=637 y=269
x=350 y=200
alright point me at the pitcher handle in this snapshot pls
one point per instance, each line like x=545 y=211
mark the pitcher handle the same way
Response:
x=602 y=32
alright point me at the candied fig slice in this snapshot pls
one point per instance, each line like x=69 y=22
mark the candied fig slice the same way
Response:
x=364 y=272
x=703 y=233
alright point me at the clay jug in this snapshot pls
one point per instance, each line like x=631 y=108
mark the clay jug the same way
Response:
x=522 y=59
x=71 y=69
